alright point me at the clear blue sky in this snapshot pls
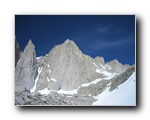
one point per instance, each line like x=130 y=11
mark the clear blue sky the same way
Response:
x=109 y=36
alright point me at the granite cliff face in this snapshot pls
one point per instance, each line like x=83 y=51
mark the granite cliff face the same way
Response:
x=26 y=69
x=64 y=67
x=68 y=68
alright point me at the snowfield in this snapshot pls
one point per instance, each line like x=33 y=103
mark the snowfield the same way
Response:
x=124 y=95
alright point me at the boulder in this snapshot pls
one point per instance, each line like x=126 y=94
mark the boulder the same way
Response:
x=19 y=100
x=53 y=85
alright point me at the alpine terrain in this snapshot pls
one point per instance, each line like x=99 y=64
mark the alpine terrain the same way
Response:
x=66 y=76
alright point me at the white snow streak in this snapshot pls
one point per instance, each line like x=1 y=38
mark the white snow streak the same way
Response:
x=71 y=92
x=95 y=65
x=39 y=72
x=93 y=82
x=52 y=79
x=47 y=79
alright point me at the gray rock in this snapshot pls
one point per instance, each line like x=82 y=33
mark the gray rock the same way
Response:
x=42 y=82
x=17 y=52
x=99 y=61
x=93 y=89
x=69 y=66
x=116 y=81
x=26 y=69
x=19 y=100
x=116 y=66
x=52 y=85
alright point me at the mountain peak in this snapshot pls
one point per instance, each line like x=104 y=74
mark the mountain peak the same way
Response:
x=30 y=42
x=29 y=47
x=26 y=69
x=67 y=41
x=71 y=45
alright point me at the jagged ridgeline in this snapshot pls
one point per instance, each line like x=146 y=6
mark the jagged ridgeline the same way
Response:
x=65 y=69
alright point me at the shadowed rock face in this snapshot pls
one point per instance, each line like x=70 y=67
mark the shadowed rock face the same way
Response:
x=17 y=52
x=26 y=69
x=116 y=81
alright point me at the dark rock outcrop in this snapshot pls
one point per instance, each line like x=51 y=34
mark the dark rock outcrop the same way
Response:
x=116 y=81
x=17 y=52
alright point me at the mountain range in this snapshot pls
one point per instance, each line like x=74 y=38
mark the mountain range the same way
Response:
x=66 y=74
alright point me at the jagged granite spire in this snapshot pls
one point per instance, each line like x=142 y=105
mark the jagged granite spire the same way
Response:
x=26 y=69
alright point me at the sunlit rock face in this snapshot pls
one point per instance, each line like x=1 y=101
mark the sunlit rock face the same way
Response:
x=70 y=67
x=26 y=69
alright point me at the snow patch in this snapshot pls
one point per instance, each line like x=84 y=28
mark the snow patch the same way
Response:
x=103 y=66
x=44 y=91
x=103 y=71
x=38 y=57
x=98 y=71
x=110 y=77
x=39 y=72
x=52 y=79
x=108 y=74
x=95 y=65
x=108 y=67
x=93 y=82
x=70 y=92
x=47 y=79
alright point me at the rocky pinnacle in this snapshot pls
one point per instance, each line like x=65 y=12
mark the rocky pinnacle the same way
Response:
x=26 y=69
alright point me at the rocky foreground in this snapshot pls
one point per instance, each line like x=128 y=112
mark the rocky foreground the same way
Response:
x=54 y=98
